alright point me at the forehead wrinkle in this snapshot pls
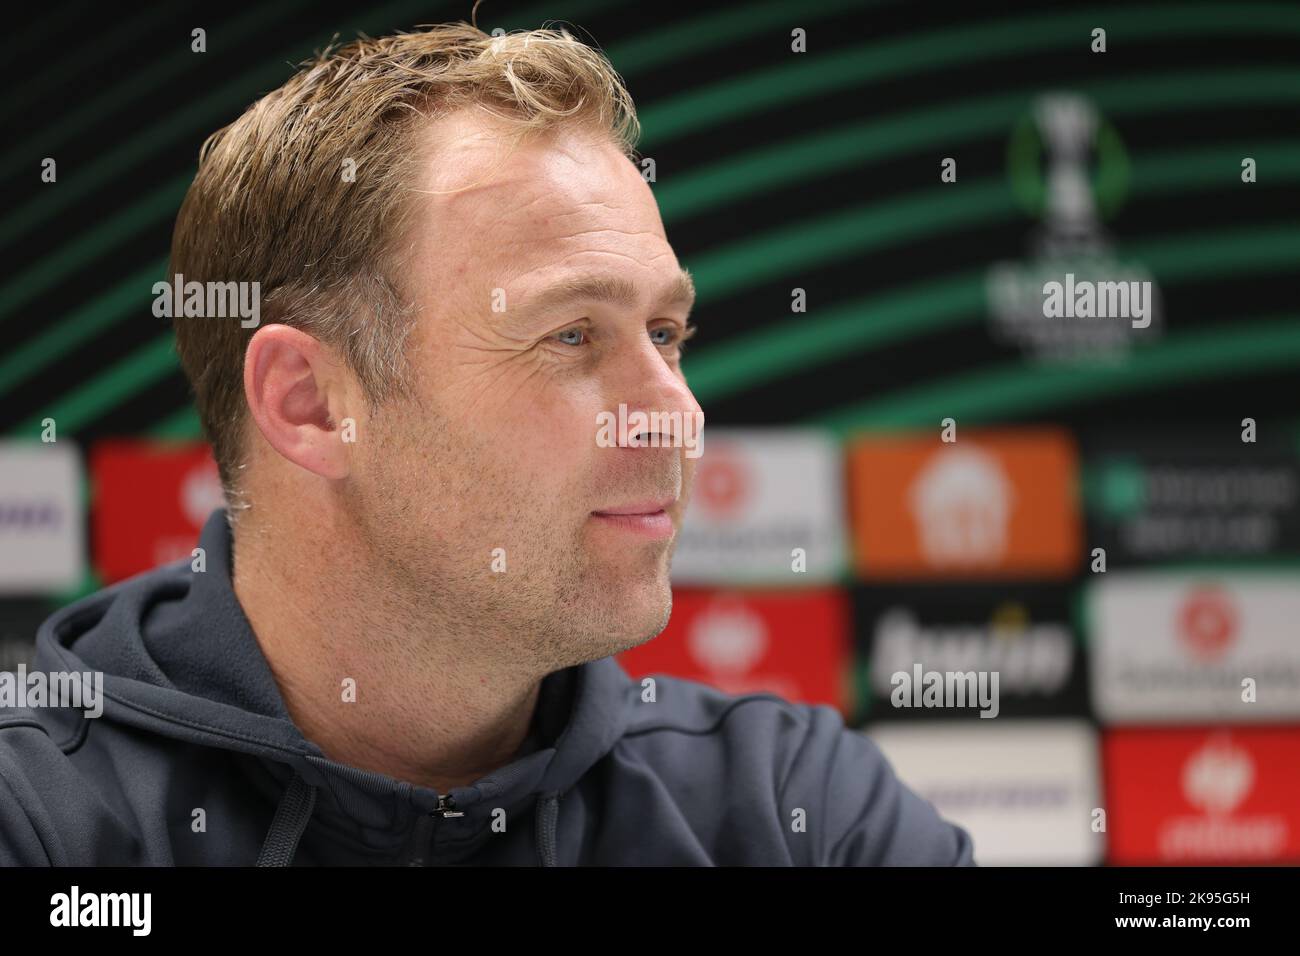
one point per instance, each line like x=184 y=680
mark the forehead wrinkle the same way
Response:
x=616 y=290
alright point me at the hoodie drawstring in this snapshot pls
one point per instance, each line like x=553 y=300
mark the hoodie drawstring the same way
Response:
x=291 y=818
x=548 y=810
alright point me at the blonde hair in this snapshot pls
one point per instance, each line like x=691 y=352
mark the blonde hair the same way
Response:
x=270 y=203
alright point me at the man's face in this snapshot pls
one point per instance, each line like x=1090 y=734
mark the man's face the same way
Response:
x=501 y=450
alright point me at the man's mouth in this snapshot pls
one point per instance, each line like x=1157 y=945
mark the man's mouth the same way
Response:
x=647 y=518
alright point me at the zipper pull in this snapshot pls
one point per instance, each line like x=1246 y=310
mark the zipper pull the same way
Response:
x=446 y=808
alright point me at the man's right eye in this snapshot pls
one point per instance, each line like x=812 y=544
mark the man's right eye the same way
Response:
x=565 y=337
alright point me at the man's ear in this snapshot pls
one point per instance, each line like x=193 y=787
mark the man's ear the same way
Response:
x=297 y=391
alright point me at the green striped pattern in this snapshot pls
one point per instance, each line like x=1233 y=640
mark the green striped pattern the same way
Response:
x=782 y=346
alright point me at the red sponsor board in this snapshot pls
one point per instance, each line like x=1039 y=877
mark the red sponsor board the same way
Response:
x=793 y=644
x=150 y=502
x=1203 y=796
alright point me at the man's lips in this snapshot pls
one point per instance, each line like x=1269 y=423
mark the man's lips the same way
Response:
x=638 y=508
x=647 y=518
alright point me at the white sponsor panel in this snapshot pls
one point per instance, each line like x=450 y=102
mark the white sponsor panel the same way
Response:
x=42 y=546
x=1025 y=790
x=759 y=495
x=1205 y=645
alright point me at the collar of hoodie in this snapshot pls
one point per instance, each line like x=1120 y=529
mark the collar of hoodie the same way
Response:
x=180 y=659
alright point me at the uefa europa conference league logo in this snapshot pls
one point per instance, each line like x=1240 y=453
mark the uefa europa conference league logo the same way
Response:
x=1074 y=274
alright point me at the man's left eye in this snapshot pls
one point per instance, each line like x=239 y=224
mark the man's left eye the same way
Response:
x=673 y=336
x=578 y=333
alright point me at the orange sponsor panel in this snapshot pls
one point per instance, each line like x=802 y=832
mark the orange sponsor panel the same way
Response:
x=996 y=503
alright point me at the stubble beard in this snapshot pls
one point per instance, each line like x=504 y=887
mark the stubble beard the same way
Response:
x=556 y=604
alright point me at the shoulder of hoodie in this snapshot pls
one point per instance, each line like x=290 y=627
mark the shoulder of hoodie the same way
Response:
x=41 y=789
x=55 y=810
x=801 y=756
x=687 y=719
x=38 y=783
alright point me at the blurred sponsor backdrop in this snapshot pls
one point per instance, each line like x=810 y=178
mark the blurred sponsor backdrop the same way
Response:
x=908 y=467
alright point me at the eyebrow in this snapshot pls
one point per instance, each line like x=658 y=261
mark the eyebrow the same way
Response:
x=613 y=289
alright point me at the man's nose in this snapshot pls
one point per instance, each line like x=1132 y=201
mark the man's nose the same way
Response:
x=649 y=383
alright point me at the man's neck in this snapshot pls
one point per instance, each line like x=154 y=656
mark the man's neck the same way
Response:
x=368 y=679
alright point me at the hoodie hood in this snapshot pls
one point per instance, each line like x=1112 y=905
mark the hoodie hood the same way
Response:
x=179 y=659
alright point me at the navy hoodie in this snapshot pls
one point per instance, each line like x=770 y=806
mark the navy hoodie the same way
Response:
x=195 y=761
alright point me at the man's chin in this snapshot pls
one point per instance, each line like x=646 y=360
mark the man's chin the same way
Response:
x=633 y=613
